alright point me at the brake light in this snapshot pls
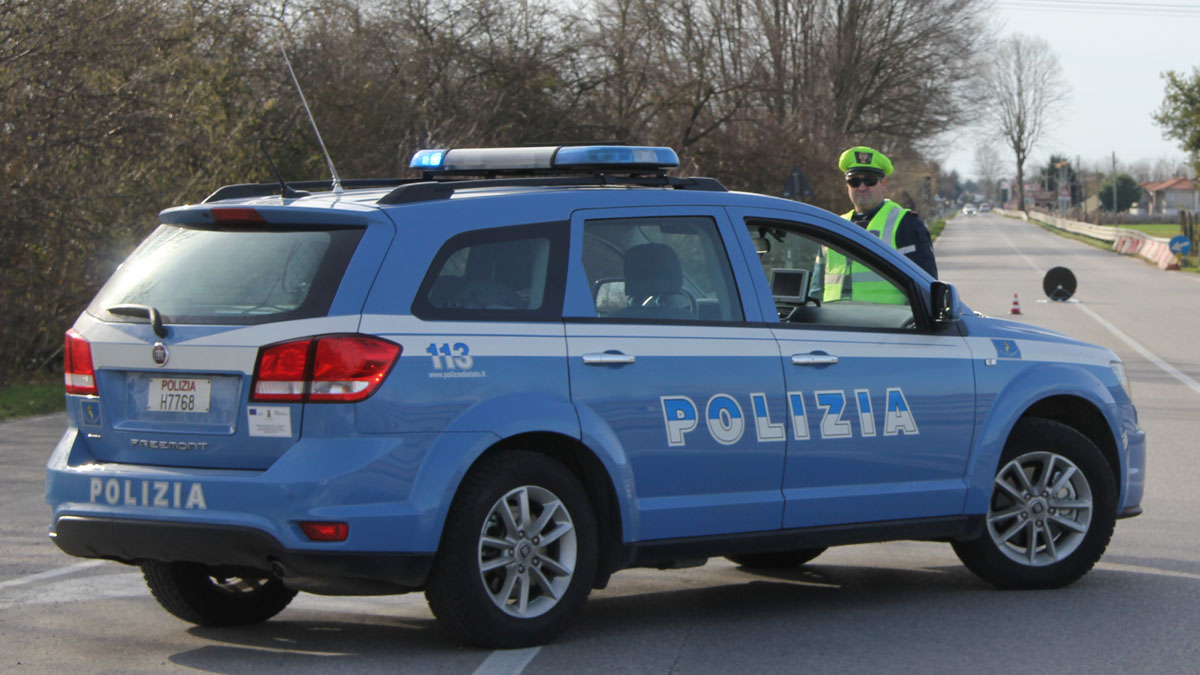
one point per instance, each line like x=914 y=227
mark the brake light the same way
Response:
x=78 y=373
x=332 y=368
x=229 y=216
x=319 y=531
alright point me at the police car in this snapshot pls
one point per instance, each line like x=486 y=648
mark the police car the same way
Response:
x=530 y=368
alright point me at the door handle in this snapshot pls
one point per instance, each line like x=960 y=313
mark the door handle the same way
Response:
x=608 y=359
x=813 y=359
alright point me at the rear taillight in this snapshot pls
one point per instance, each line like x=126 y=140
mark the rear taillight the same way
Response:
x=350 y=367
x=78 y=372
x=331 y=368
x=282 y=371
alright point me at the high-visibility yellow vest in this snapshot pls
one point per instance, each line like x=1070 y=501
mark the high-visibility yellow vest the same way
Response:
x=865 y=285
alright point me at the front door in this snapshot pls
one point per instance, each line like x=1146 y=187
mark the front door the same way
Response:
x=880 y=406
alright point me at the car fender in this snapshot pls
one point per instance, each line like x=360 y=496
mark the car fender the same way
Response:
x=1018 y=395
x=458 y=449
x=599 y=437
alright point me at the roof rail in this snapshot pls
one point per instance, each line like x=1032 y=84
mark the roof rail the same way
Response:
x=246 y=190
x=433 y=190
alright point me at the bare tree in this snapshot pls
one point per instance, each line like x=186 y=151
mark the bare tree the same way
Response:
x=1166 y=168
x=892 y=74
x=1028 y=89
x=113 y=109
x=987 y=168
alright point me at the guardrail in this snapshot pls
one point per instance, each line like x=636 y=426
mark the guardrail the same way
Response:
x=1125 y=242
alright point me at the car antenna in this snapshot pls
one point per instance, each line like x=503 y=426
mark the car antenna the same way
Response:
x=286 y=191
x=337 y=182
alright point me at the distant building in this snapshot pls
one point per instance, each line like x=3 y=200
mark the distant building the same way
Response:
x=1170 y=197
x=1037 y=196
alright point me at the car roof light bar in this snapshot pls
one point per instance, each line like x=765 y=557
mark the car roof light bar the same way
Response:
x=544 y=159
x=433 y=190
x=624 y=156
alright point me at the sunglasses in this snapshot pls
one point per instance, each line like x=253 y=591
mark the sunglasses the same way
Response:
x=855 y=181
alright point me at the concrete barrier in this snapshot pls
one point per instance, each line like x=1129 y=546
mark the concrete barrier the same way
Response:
x=1126 y=242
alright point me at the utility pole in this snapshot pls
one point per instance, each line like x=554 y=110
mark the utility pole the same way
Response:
x=1114 y=178
x=1060 y=184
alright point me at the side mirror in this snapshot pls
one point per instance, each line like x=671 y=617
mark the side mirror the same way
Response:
x=944 y=306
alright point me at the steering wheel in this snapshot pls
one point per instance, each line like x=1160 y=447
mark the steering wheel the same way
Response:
x=680 y=299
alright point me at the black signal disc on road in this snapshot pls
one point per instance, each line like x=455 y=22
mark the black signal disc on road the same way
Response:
x=1059 y=284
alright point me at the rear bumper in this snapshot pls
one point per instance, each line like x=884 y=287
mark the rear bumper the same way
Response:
x=333 y=572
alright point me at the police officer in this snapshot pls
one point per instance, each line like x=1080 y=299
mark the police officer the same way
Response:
x=866 y=179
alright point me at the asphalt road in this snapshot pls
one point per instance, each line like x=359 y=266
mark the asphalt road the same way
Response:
x=884 y=608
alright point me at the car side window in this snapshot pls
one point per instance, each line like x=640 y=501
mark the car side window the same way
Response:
x=510 y=273
x=816 y=280
x=659 y=268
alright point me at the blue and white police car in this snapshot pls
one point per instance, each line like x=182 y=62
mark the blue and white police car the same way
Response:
x=530 y=368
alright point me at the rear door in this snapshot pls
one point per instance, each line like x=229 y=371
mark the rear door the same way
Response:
x=666 y=365
x=177 y=395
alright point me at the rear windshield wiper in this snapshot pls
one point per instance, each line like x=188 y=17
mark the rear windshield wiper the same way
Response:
x=143 y=311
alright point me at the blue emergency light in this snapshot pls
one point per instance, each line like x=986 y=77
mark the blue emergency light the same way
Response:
x=545 y=159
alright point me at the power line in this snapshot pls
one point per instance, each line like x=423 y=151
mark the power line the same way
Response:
x=1152 y=9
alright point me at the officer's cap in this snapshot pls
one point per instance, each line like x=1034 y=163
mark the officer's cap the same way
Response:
x=862 y=159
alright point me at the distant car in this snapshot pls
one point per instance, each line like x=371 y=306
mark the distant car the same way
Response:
x=984 y=208
x=969 y=210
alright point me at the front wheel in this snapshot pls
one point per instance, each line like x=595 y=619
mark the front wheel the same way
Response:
x=518 y=553
x=1052 y=510
x=209 y=597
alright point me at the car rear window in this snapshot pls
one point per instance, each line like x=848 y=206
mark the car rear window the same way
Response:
x=231 y=275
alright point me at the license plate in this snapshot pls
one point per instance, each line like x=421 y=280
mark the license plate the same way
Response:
x=179 y=394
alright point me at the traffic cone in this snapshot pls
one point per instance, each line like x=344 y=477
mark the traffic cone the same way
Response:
x=1016 y=308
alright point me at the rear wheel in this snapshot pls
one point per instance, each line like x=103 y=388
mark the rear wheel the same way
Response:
x=1052 y=510
x=208 y=597
x=774 y=560
x=518 y=553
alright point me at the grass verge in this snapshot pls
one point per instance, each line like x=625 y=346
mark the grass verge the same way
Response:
x=936 y=228
x=24 y=399
x=1167 y=230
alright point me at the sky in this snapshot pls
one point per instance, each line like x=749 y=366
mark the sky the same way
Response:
x=1112 y=53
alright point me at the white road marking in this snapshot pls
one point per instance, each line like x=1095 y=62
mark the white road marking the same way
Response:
x=26 y=591
x=1146 y=353
x=50 y=574
x=1117 y=332
x=1141 y=569
x=384 y=604
x=81 y=589
x=507 y=661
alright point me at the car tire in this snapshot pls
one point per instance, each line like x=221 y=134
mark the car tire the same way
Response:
x=200 y=595
x=1051 y=512
x=518 y=553
x=776 y=560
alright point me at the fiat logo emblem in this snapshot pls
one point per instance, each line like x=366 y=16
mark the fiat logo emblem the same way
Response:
x=160 y=354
